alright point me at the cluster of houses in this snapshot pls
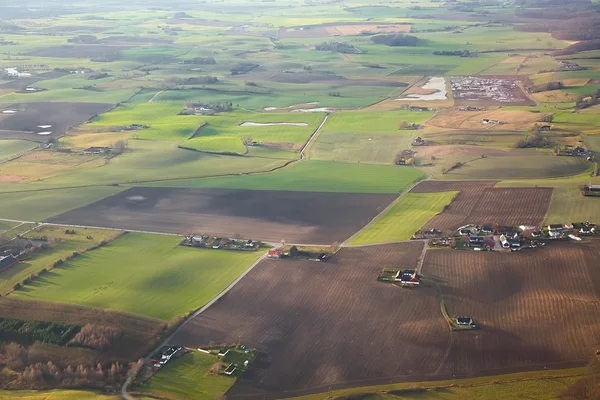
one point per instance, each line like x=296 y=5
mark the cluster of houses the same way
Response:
x=163 y=358
x=215 y=242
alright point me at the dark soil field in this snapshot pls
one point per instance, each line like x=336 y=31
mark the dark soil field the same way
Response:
x=297 y=217
x=77 y=51
x=539 y=309
x=327 y=325
x=138 y=333
x=22 y=83
x=481 y=203
x=25 y=124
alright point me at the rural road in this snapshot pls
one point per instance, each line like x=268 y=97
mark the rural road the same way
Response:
x=132 y=374
x=302 y=152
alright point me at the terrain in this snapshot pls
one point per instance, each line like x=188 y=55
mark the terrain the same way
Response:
x=182 y=179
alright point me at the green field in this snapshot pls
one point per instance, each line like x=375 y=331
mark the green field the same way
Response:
x=403 y=218
x=142 y=274
x=513 y=167
x=189 y=377
x=63 y=248
x=317 y=176
x=9 y=148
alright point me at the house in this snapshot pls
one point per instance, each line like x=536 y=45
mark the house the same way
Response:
x=407 y=277
x=7 y=262
x=545 y=127
x=555 y=227
x=487 y=121
x=486 y=229
x=415 y=108
x=230 y=369
x=489 y=242
x=515 y=243
x=274 y=253
x=223 y=352
x=476 y=240
x=466 y=321
x=505 y=243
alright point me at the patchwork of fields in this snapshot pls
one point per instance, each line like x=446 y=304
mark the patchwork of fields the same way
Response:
x=330 y=131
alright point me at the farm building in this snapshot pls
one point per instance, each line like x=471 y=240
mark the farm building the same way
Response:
x=545 y=127
x=465 y=321
x=274 y=253
x=7 y=262
x=486 y=121
x=230 y=369
x=407 y=277
x=555 y=227
x=591 y=190
x=505 y=243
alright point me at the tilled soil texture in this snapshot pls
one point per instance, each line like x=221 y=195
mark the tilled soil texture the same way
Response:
x=538 y=309
x=22 y=83
x=296 y=217
x=32 y=118
x=328 y=325
x=481 y=203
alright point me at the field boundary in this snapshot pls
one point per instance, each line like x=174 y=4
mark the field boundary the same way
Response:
x=133 y=373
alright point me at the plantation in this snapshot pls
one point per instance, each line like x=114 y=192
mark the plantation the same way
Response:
x=142 y=274
x=403 y=218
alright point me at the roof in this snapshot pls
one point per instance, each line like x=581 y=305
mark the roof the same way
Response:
x=7 y=261
x=464 y=320
x=555 y=226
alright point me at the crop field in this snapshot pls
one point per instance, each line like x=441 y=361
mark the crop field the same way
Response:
x=226 y=134
x=142 y=274
x=290 y=311
x=65 y=245
x=510 y=120
x=404 y=218
x=316 y=176
x=39 y=165
x=162 y=120
x=528 y=303
x=139 y=332
x=11 y=148
x=481 y=203
x=31 y=119
x=297 y=217
x=189 y=376
x=513 y=166
x=54 y=395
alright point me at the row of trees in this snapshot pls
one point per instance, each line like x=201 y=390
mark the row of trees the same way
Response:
x=37 y=331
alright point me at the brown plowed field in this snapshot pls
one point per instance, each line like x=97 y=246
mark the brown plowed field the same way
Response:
x=297 y=217
x=61 y=116
x=538 y=308
x=481 y=203
x=327 y=325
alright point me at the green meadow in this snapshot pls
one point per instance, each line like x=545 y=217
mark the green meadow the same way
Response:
x=403 y=218
x=189 y=377
x=142 y=274
x=317 y=176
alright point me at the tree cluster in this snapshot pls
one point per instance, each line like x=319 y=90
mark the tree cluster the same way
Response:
x=396 y=39
x=37 y=331
x=242 y=68
x=460 y=53
x=201 y=61
x=587 y=100
x=97 y=337
x=534 y=140
x=337 y=47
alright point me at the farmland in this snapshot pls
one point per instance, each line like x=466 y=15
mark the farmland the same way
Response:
x=481 y=203
x=404 y=218
x=302 y=217
x=515 y=304
x=153 y=277
x=293 y=325
x=332 y=131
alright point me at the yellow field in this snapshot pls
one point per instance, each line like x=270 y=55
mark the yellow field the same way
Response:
x=54 y=395
x=357 y=29
x=44 y=164
x=95 y=139
x=553 y=96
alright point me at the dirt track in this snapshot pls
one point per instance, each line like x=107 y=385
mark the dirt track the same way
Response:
x=296 y=217
x=481 y=203
x=327 y=323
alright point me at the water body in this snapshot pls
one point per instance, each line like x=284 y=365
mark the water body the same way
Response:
x=437 y=83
